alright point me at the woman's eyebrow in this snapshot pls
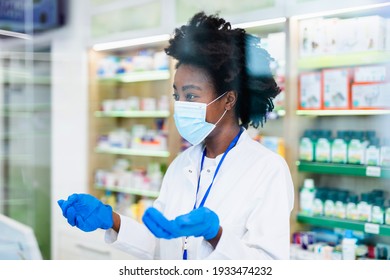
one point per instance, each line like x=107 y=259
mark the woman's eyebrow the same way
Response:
x=190 y=87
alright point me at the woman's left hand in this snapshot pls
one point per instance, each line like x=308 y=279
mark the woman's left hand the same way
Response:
x=199 y=222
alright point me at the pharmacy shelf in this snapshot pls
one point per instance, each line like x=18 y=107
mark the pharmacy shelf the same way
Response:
x=140 y=76
x=327 y=222
x=133 y=114
x=342 y=112
x=340 y=60
x=19 y=77
x=344 y=169
x=147 y=193
x=133 y=152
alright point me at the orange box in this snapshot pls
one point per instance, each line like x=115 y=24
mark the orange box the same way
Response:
x=336 y=88
x=370 y=96
x=310 y=96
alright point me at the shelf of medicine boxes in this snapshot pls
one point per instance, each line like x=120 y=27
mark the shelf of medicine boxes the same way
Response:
x=329 y=222
x=146 y=193
x=344 y=169
x=138 y=76
x=133 y=152
x=339 y=60
x=16 y=77
x=342 y=112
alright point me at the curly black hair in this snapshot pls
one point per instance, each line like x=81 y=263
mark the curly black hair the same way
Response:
x=234 y=61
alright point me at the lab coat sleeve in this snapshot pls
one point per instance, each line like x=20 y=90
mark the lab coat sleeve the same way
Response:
x=133 y=238
x=267 y=234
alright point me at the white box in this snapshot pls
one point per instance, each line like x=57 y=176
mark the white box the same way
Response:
x=310 y=90
x=371 y=96
x=371 y=33
x=347 y=37
x=311 y=37
x=365 y=74
x=336 y=88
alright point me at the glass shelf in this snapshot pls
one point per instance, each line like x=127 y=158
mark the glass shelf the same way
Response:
x=339 y=60
x=328 y=222
x=140 y=76
x=133 y=152
x=342 y=112
x=133 y=114
x=148 y=193
x=344 y=169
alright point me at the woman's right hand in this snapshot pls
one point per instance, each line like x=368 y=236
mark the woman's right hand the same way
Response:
x=86 y=212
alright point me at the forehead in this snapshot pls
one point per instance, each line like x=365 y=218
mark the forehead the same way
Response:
x=192 y=75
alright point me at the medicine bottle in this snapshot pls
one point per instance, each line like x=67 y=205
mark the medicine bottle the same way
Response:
x=378 y=211
x=352 y=212
x=329 y=206
x=339 y=148
x=341 y=205
x=373 y=152
x=306 y=197
x=306 y=146
x=318 y=204
x=385 y=153
x=356 y=148
x=364 y=208
x=387 y=213
x=323 y=146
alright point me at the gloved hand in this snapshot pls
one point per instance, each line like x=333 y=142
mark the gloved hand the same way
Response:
x=160 y=226
x=199 y=222
x=86 y=212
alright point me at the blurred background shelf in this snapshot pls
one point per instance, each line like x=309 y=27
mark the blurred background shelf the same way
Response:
x=133 y=152
x=327 y=222
x=141 y=76
x=147 y=193
x=133 y=114
x=342 y=112
x=344 y=169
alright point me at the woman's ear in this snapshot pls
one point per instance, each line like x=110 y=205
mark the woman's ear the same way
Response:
x=231 y=99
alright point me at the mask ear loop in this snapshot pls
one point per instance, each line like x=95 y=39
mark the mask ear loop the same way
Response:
x=216 y=98
x=221 y=117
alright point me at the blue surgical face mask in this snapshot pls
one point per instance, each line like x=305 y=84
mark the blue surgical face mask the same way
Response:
x=190 y=119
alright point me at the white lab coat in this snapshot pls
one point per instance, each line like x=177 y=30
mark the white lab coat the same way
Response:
x=252 y=195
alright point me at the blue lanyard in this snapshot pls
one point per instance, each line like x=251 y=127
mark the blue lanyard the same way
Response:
x=231 y=146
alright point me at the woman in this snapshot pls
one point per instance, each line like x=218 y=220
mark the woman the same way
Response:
x=227 y=196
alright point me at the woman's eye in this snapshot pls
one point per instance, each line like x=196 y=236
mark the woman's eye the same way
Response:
x=190 y=96
x=175 y=96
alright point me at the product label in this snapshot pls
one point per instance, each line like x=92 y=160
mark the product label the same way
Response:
x=372 y=156
x=387 y=216
x=356 y=152
x=329 y=208
x=339 y=151
x=318 y=207
x=340 y=210
x=364 y=211
x=352 y=212
x=377 y=215
x=373 y=171
x=306 y=149
x=323 y=150
x=385 y=156
x=371 y=228
x=306 y=201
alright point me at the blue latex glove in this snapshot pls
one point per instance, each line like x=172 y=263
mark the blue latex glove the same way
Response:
x=199 y=222
x=86 y=212
x=160 y=226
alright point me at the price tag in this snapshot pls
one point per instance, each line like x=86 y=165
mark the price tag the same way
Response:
x=371 y=228
x=373 y=171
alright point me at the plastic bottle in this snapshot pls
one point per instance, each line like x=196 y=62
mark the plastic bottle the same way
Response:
x=378 y=211
x=341 y=205
x=387 y=213
x=385 y=153
x=323 y=146
x=329 y=205
x=356 y=148
x=306 y=146
x=306 y=197
x=364 y=208
x=318 y=204
x=348 y=246
x=352 y=212
x=373 y=152
x=339 y=150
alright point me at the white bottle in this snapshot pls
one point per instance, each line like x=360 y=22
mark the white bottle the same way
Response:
x=306 y=197
x=348 y=246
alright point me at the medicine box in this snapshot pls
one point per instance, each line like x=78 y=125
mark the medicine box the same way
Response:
x=371 y=33
x=311 y=36
x=371 y=96
x=365 y=74
x=310 y=90
x=336 y=84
